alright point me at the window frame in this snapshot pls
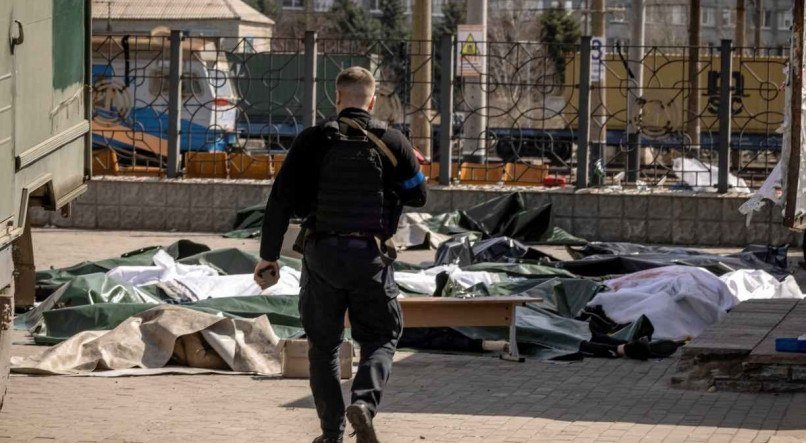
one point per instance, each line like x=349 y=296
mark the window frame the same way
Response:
x=192 y=85
x=708 y=12
x=766 y=19
x=296 y=5
x=783 y=17
x=678 y=14
x=374 y=6
x=728 y=18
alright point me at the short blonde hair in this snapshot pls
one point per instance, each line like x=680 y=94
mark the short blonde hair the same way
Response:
x=356 y=83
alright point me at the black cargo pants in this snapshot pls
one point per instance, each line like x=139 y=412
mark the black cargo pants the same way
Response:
x=340 y=273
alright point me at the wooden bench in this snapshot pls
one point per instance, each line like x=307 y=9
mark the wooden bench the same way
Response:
x=449 y=312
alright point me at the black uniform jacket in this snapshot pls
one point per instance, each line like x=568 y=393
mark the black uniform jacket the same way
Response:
x=295 y=188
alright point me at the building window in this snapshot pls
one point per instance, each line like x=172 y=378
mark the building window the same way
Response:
x=679 y=15
x=766 y=19
x=728 y=18
x=160 y=84
x=535 y=6
x=784 y=20
x=652 y=14
x=436 y=7
x=617 y=14
x=293 y=4
x=374 y=5
x=322 y=5
x=249 y=45
x=708 y=17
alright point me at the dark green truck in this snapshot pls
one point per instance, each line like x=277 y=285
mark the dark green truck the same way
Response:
x=45 y=140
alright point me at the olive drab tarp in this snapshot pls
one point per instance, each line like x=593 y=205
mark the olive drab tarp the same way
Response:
x=89 y=300
x=83 y=297
x=550 y=329
x=600 y=259
x=51 y=279
x=57 y=325
x=248 y=222
x=507 y=215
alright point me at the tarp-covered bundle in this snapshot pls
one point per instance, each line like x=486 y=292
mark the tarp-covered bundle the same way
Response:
x=600 y=259
x=505 y=216
x=159 y=336
x=620 y=291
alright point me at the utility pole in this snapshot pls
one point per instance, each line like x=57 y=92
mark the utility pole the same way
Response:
x=598 y=102
x=476 y=92
x=420 y=54
x=108 y=15
x=636 y=55
x=693 y=111
x=757 y=23
x=741 y=24
x=309 y=16
x=794 y=169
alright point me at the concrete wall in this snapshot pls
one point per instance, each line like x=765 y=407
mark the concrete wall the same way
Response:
x=158 y=205
x=210 y=206
x=662 y=218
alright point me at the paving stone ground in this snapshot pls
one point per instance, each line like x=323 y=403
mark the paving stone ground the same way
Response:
x=431 y=397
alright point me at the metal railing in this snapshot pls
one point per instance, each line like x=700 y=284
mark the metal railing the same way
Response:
x=737 y=146
x=530 y=115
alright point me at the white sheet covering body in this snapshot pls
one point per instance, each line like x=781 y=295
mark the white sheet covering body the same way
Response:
x=165 y=268
x=680 y=301
x=703 y=178
x=200 y=288
x=199 y=282
x=424 y=282
x=749 y=284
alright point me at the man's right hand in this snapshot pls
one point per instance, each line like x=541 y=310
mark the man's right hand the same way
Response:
x=268 y=269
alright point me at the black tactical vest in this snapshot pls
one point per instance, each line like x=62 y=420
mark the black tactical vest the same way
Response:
x=352 y=196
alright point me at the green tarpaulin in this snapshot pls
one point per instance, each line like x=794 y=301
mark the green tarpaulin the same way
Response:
x=501 y=216
x=60 y=324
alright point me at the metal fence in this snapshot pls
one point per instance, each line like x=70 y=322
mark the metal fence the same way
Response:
x=658 y=132
x=532 y=114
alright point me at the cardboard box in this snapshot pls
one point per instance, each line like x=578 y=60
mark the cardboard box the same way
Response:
x=294 y=357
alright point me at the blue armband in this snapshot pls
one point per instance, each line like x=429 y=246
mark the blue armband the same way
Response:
x=414 y=181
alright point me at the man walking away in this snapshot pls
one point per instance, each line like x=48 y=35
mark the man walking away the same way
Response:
x=348 y=178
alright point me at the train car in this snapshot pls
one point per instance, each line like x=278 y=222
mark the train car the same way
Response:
x=270 y=90
x=757 y=101
x=757 y=97
x=131 y=84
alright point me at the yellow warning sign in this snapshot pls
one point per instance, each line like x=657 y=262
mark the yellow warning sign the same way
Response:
x=471 y=49
x=469 y=46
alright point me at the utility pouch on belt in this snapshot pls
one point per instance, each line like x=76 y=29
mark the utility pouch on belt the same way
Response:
x=302 y=237
x=387 y=249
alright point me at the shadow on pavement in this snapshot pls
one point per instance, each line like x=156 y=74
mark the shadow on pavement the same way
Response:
x=594 y=390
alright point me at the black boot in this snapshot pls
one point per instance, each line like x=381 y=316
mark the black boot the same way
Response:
x=663 y=348
x=637 y=349
x=358 y=415
x=323 y=439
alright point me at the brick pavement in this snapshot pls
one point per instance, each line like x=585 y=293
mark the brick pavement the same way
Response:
x=431 y=397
